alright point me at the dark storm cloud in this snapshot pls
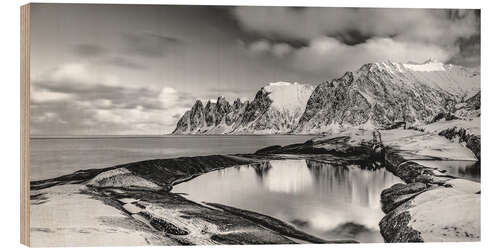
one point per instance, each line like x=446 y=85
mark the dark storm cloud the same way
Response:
x=429 y=25
x=470 y=52
x=351 y=37
x=341 y=39
x=151 y=45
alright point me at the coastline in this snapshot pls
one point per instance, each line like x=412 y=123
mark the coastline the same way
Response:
x=35 y=137
x=432 y=206
x=146 y=198
x=139 y=190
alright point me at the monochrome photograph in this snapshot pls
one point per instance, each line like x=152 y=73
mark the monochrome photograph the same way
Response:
x=228 y=125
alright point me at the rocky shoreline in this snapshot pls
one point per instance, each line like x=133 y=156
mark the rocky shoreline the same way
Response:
x=417 y=211
x=431 y=206
x=141 y=192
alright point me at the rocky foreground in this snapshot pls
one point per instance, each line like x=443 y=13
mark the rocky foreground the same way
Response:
x=432 y=206
x=131 y=204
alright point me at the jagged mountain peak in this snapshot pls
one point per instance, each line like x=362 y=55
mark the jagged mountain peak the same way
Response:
x=275 y=108
x=382 y=93
x=375 y=95
x=198 y=102
x=237 y=101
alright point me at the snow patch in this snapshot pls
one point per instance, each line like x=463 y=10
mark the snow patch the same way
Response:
x=428 y=66
x=448 y=214
x=289 y=97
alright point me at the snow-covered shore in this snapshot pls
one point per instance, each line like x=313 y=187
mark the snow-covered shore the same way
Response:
x=432 y=206
x=132 y=204
x=63 y=216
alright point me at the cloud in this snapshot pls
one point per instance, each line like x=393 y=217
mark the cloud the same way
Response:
x=151 y=45
x=89 y=50
x=111 y=56
x=307 y=23
x=263 y=46
x=125 y=63
x=77 y=75
x=48 y=117
x=66 y=101
x=333 y=34
x=44 y=95
x=470 y=52
x=330 y=56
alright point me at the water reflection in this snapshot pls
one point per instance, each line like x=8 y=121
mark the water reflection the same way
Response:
x=470 y=170
x=332 y=201
x=287 y=176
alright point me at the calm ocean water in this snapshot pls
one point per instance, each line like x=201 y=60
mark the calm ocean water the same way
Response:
x=52 y=157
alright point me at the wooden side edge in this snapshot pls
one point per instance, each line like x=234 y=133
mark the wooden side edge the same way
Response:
x=25 y=124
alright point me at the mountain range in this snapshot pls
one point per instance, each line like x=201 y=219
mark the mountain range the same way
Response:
x=376 y=95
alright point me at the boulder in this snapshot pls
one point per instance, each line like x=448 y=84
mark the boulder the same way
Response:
x=400 y=193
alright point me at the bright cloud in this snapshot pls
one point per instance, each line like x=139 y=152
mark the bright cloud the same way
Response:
x=263 y=47
x=327 y=54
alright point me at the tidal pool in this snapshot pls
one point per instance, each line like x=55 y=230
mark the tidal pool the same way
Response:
x=332 y=201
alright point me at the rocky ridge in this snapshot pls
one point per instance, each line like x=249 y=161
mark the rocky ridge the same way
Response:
x=275 y=109
x=377 y=95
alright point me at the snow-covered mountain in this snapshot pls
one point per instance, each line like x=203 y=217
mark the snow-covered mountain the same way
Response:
x=382 y=94
x=276 y=109
x=376 y=95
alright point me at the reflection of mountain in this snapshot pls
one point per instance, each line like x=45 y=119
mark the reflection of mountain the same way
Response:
x=350 y=183
x=472 y=172
x=261 y=169
x=287 y=176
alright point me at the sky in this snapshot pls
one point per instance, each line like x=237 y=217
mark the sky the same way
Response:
x=135 y=69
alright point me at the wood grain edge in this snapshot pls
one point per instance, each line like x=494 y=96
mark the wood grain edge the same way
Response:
x=25 y=124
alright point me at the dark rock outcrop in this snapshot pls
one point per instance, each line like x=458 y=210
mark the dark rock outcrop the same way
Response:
x=472 y=142
x=394 y=227
x=162 y=172
x=399 y=193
